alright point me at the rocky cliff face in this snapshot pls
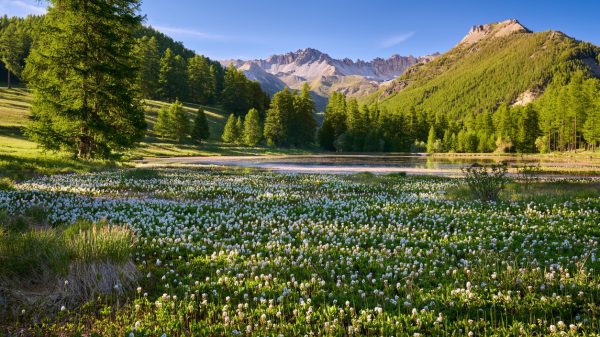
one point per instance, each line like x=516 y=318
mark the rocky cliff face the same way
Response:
x=324 y=73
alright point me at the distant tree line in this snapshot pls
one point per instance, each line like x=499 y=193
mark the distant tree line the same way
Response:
x=566 y=117
x=289 y=121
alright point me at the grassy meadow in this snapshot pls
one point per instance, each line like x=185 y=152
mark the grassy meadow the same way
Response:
x=21 y=158
x=222 y=252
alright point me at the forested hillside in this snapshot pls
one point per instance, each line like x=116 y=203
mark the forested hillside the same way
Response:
x=167 y=69
x=506 y=90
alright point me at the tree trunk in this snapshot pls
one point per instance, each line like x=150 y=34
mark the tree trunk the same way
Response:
x=8 y=80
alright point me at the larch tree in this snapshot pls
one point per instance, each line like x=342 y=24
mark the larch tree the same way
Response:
x=181 y=122
x=172 y=76
x=148 y=57
x=276 y=121
x=200 y=130
x=82 y=73
x=303 y=121
x=252 y=130
x=230 y=132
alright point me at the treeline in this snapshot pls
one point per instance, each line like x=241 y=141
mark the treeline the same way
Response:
x=166 y=69
x=176 y=73
x=16 y=38
x=565 y=117
x=289 y=121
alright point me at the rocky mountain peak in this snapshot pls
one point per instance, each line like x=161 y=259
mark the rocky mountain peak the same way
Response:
x=498 y=29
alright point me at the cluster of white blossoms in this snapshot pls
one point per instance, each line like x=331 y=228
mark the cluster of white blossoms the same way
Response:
x=268 y=254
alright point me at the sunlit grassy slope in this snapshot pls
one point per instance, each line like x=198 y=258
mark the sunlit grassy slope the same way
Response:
x=21 y=157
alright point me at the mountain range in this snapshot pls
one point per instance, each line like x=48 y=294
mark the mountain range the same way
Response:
x=324 y=73
x=464 y=77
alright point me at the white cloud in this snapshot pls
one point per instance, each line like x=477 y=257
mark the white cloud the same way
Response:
x=395 y=40
x=191 y=32
x=21 y=8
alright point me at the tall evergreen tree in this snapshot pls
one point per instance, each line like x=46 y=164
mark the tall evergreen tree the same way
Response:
x=200 y=82
x=82 y=74
x=164 y=127
x=181 y=121
x=200 y=130
x=230 y=132
x=278 y=116
x=148 y=58
x=172 y=76
x=173 y=122
x=302 y=124
x=252 y=130
x=235 y=96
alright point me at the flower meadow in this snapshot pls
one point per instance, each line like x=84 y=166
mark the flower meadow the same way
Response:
x=252 y=253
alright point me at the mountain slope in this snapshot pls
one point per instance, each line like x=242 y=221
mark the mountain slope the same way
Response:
x=495 y=63
x=324 y=73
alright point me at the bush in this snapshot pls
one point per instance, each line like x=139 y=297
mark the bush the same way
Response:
x=486 y=182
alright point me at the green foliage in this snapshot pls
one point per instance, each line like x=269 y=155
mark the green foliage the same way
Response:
x=14 y=46
x=240 y=94
x=486 y=182
x=201 y=80
x=200 y=130
x=85 y=100
x=302 y=125
x=231 y=133
x=173 y=123
x=149 y=61
x=252 y=129
x=431 y=141
x=470 y=90
x=172 y=76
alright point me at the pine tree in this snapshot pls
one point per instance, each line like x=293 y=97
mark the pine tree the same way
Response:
x=303 y=123
x=173 y=122
x=181 y=122
x=82 y=74
x=239 y=130
x=200 y=82
x=230 y=133
x=164 y=124
x=334 y=123
x=278 y=115
x=252 y=130
x=172 y=78
x=148 y=58
x=200 y=131
x=235 y=95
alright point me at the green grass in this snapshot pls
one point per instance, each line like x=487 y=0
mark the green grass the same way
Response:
x=223 y=249
x=20 y=158
x=538 y=191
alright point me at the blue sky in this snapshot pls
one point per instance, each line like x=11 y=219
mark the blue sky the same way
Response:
x=223 y=29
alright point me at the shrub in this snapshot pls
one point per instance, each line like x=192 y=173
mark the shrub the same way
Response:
x=486 y=182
